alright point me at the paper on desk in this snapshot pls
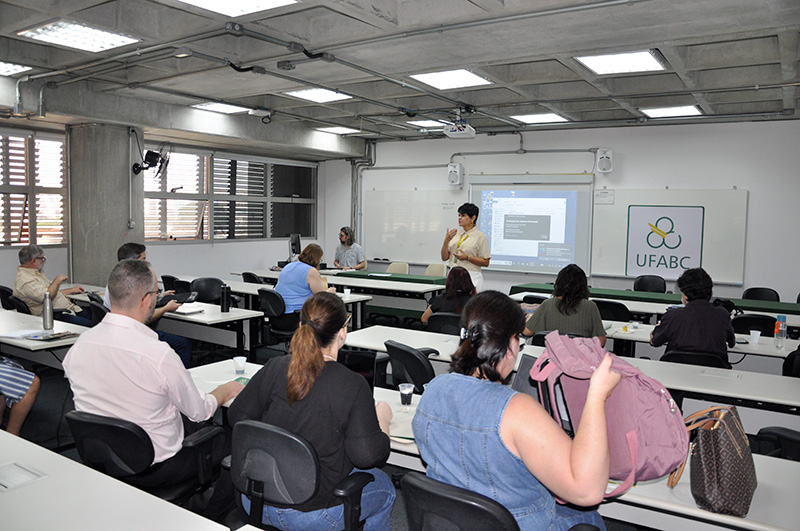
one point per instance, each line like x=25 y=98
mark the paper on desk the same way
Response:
x=189 y=308
x=21 y=334
x=380 y=274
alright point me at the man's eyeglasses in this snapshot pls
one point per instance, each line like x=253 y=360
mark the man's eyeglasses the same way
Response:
x=347 y=321
x=154 y=292
x=42 y=258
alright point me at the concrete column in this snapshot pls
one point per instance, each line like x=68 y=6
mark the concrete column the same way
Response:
x=104 y=196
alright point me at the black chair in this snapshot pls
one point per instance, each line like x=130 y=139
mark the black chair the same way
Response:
x=182 y=286
x=651 y=283
x=538 y=338
x=98 y=310
x=798 y=298
x=94 y=297
x=704 y=359
x=251 y=278
x=123 y=450
x=361 y=362
x=533 y=299
x=791 y=365
x=742 y=324
x=5 y=294
x=17 y=304
x=444 y=323
x=761 y=294
x=279 y=326
x=776 y=441
x=410 y=364
x=433 y=505
x=613 y=311
x=169 y=282
x=272 y=466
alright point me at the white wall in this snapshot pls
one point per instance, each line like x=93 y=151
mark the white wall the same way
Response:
x=761 y=157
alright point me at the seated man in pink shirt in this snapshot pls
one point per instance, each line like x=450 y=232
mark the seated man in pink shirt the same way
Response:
x=120 y=369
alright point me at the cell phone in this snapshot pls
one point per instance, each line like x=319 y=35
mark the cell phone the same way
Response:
x=742 y=341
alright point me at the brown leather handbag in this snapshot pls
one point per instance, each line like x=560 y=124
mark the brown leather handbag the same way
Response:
x=723 y=476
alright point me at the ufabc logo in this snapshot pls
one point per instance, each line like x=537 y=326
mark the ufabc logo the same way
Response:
x=663 y=236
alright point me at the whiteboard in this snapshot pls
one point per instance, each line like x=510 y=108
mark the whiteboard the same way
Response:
x=724 y=227
x=405 y=213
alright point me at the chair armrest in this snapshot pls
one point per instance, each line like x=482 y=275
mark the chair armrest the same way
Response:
x=428 y=351
x=226 y=462
x=352 y=484
x=235 y=300
x=202 y=436
x=200 y=442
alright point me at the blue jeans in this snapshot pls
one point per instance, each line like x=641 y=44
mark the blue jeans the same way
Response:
x=181 y=345
x=377 y=500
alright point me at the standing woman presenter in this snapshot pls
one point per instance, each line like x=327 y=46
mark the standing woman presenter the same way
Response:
x=469 y=247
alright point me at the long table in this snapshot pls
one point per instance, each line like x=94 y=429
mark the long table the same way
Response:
x=72 y=497
x=50 y=352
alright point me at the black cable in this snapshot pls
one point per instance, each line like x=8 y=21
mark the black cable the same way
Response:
x=241 y=69
x=741 y=360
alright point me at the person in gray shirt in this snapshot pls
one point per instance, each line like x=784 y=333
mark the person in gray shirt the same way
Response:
x=349 y=255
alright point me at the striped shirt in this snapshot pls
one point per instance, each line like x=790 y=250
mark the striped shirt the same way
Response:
x=14 y=381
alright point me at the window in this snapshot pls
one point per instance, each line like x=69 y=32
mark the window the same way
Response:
x=250 y=198
x=32 y=189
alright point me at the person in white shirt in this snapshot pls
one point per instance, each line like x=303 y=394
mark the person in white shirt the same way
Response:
x=349 y=254
x=468 y=248
x=120 y=369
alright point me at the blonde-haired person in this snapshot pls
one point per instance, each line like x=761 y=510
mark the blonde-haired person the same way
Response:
x=298 y=281
x=311 y=395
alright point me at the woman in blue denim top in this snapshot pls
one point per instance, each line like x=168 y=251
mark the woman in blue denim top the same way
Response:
x=480 y=435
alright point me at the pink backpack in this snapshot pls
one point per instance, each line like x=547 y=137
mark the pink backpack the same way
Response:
x=646 y=433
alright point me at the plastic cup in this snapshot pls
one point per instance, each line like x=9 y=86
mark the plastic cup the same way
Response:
x=238 y=364
x=406 y=390
x=346 y=293
x=754 y=336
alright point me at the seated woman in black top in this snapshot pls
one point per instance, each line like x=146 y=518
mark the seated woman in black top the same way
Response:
x=457 y=291
x=698 y=326
x=309 y=394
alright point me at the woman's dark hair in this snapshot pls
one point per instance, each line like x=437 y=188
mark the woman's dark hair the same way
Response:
x=696 y=284
x=468 y=209
x=490 y=320
x=321 y=318
x=311 y=255
x=349 y=233
x=572 y=287
x=458 y=283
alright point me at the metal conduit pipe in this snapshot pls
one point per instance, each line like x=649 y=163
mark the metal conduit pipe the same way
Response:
x=357 y=166
x=520 y=151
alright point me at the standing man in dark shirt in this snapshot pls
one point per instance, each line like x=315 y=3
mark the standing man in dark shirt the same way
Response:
x=698 y=326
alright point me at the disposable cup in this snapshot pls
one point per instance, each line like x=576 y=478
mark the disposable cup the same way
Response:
x=755 y=335
x=346 y=293
x=406 y=390
x=238 y=364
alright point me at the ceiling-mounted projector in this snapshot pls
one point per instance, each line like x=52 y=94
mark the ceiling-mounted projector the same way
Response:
x=459 y=131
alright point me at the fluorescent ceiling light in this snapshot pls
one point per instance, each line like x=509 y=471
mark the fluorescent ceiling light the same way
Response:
x=451 y=79
x=621 y=63
x=543 y=118
x=318 y=95
x=425 y=123
x=75 y=35
x=338 y=130
x=9 y=69
x=237 y=8
x=220 y=107
x=669 y=112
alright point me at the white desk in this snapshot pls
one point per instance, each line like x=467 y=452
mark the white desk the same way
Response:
x=209 y=377
x=50 y=353
x=73 y=497
x=404 y=450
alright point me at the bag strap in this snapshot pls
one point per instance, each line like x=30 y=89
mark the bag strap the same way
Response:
x=633 y=449
x=675 y=475
x=540 y=374
x=694 y=421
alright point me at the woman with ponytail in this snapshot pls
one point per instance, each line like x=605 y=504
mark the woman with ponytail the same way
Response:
x=310 y=394
x=477 y=434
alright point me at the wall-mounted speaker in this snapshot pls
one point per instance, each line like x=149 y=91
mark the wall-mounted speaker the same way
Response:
x=455 y=174
x=604 y=160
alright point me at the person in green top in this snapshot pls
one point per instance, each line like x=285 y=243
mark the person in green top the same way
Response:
x=569 y=310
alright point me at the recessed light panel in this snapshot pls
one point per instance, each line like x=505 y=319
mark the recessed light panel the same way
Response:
x=338 y=130
x=75 y=35
x=425 y=123
x=318 y=95
x=671 y=112
x=9 y=69
x=622 y=63
x=543 y=118
x=452 y=79
x=221 y=107
x=238 y=8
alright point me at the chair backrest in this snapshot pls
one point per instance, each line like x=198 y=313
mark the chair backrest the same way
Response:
x=208 y=289
x=444 y=323
x=538 y=338
x=19 y=305
x=271 y=302
x=98 y=310
x=433 y=505
x=169 y=282
x=778 y=441
x=252 y=278
x=398 y=267
x=182 y=286
x=742 y=324
x=533 y=299
x=360 y=361
x=94 y=297
x=761 y=294
x=116 y=447
x=791 y=365
x=613 y=311
x=273 y=461
x=436 y=270
x=704 y=359
x=651 y=283
x=417 y=367
x=5 y=293
x=798 y=298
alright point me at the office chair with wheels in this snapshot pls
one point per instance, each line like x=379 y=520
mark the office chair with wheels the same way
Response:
x=273 y=466
x=538 y=338
x=651 y=283
x=533 y=299
x=279 y=326
x=761 y=294
x=208 y=290
x=251 y=278
x=410 y=364
x=616 y=311
x=123 y=450
x=98 y=310
x=776 y=441
x=398 y=267
x=169 y=282
x=436 y=270
x=5 y=293
x=19 y=305
x=182 y=286
x=361 y=362
x=742 y=324
x=444 y=323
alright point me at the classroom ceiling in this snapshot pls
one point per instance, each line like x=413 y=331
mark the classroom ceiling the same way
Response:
x=736 y=60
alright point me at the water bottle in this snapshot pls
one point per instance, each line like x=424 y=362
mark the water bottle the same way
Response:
x=47 y=312
x=780 y=332
x=225 y=298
